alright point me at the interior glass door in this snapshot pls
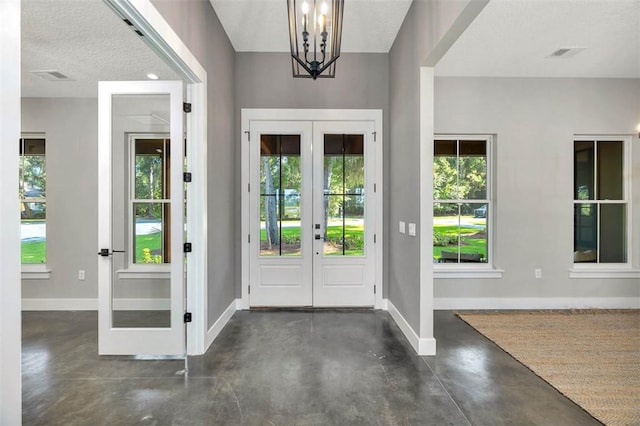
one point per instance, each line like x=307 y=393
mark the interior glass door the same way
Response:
x=141 y=219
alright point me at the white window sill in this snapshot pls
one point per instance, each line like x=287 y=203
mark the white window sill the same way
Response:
x=598 y=271
x=145 y=272
x=471 y=272
x=35 y=272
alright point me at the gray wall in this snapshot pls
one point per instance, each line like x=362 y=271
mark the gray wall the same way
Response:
x=535 y=120
x=428 y=30
x=197 y=24
x=71 y=128
x=264 y=80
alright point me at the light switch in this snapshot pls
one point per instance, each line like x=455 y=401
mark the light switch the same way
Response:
x=402 y=227
x=412 y=229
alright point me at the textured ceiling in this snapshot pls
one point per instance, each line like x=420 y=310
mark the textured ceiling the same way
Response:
x=84 y=40
x=515 y=38
x=261 y=25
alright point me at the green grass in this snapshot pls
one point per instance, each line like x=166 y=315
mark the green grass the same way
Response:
x=151 y=241
x=468 y=243
x=33 y=252
x=354 y=236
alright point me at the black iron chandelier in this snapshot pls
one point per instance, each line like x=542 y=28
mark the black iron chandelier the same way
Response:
x=315 y=33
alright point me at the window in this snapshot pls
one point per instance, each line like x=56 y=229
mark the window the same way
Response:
x=33 y=202
x=149 y=199
x=600 y=202
x=461 y=200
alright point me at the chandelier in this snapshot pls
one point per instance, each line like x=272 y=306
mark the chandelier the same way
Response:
x=315 y=33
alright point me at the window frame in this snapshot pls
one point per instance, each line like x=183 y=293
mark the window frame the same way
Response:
x=35 y=271
x=135 y=270
x=462 y=270
x=598 y=269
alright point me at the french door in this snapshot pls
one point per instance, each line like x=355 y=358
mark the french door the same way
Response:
x=312 y=215
x=141 y=218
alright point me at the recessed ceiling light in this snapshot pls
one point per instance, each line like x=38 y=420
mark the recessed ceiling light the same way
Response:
x=152 y=76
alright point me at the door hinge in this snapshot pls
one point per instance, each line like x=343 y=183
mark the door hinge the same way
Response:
x=374 y=238
x=248 y=187
x=186 y=176
x=375 y=187
x=187 y=247
x=249 y=290
x=187 y=317
x=375 y=136
x=374 y=289
x=186 y=107
x=249 y=238
x=248 y=135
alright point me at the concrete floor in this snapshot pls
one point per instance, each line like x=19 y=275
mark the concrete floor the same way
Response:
x=320 y=367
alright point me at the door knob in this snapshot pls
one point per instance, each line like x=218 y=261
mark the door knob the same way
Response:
x=105 y=252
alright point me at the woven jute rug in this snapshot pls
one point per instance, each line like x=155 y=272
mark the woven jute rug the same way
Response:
x=592 y=357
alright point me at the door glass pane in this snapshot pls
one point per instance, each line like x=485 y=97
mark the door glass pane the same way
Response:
x=280 y=195
x=344 y=195
x=612 y=233
x=141 y=211
x=610 y=170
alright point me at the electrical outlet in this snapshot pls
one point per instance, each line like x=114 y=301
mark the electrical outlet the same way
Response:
x=412 y=229
x=402 y=227
x=81 y=275
x=538 y=272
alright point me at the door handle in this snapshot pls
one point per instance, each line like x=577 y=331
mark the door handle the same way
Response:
x=106 y=253
x=318 y=237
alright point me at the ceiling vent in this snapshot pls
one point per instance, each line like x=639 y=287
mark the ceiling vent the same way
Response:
x=566 y=52
x=51 y=75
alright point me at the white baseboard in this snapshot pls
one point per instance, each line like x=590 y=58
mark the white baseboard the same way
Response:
x=92 y=304
x=482 y=303
x=422 y=346
x=217 y=327
x=59 y=304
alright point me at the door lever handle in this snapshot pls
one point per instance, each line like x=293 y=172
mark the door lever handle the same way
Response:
x=318 y=237
x=105 y=252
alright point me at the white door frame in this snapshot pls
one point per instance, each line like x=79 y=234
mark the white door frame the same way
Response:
x=250 y=114
x=161 y=38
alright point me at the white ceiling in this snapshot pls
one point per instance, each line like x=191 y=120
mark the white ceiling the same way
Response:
x=514 y=38
x=262 y=25
x=84 y=40
x=88 y=42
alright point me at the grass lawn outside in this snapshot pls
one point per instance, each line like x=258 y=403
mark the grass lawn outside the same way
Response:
x=33 y=252
x=472 y=232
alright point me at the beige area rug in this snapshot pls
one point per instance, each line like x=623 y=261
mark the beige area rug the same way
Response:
x=592 y=357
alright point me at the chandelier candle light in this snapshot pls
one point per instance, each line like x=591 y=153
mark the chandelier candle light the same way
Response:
x=319 y=24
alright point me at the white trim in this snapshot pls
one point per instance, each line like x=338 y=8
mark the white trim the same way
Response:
x=165 y=42
x=59 y=304
x=141 y=304
x=427 y=127
x=422 y=346
x=35 y=272
x=467 y=273
x=217 y=327
x=604 y=273
x=139 y=273
x=482 y=303
x=311 y=115
x=10 y=288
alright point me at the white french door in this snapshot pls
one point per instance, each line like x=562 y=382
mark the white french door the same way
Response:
x=311 y=213
x=141 y=218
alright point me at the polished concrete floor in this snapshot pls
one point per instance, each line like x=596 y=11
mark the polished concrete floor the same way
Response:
x=286 y=368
